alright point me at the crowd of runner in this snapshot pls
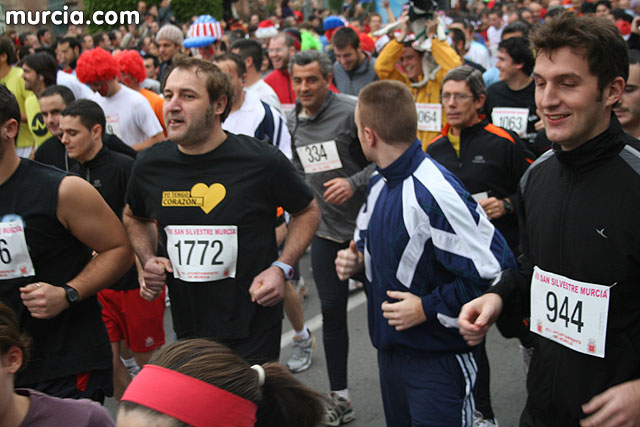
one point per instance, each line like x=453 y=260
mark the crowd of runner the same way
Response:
x=467 y=167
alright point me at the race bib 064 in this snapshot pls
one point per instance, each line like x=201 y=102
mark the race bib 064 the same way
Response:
x=570 y=312
x=202 y=253
x=15 y=260
x=319 y=157
x=429 y=117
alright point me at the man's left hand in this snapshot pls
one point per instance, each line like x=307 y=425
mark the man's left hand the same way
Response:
x=405 y=313
x=616 y=407
x=267 y=287
x=493 y=206
x=338 y=191
x=43 y=300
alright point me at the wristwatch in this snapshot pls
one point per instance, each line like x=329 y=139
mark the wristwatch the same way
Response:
x=71 y=294
x=507 y=205
x=286 y=269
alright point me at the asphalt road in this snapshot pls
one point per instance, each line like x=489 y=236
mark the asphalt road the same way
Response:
x=507 y=377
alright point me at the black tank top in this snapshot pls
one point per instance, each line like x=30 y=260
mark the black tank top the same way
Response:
x=75 y=341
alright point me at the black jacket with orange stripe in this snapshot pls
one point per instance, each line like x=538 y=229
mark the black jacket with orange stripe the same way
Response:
x=491 y=159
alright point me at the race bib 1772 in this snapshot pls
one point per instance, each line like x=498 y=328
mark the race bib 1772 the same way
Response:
x=319 y=157
x=570 y=312
x=202 y=253
x=15 y=260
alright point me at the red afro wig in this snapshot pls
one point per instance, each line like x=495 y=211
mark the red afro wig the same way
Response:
x=131 y=62
x=96 y=65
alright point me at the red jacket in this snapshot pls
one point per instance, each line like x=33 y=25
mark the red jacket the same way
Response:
x=280 y=81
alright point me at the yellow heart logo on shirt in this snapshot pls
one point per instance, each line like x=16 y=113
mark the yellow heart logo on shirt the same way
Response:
x=212 y=195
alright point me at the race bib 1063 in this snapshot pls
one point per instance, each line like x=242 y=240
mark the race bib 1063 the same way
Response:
x=202 y=253
x=513 y=119
x=15 y=260
x=319 y=157
x=570 y=312
x=429 y=117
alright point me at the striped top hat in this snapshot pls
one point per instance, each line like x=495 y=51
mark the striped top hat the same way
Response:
x=204 y=31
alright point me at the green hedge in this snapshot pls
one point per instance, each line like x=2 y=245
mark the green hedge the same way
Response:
x=336 y=5
x=183 y=10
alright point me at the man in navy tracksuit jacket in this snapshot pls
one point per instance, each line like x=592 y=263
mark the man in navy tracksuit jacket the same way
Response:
x=426 y=248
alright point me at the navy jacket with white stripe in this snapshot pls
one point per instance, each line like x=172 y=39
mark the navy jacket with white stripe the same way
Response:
x=422 y=232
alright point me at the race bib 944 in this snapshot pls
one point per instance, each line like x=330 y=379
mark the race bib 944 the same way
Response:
x=570 y=312
x=201 y=253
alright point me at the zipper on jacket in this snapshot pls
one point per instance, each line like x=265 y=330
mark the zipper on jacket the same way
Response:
x=563 y=215
x=461 y=156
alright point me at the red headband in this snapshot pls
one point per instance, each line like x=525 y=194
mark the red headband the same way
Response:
x=188 y=399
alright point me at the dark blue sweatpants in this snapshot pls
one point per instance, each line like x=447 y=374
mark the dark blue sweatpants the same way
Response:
x=427 y=390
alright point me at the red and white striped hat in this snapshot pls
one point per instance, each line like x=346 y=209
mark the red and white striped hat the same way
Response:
x=204 y=31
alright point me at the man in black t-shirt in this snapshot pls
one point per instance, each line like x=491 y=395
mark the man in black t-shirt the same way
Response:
x=212 y=197
x=510 y=102
x=129 y=318
x=49 y=223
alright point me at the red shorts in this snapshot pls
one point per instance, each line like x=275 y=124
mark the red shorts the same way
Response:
x=129 y=317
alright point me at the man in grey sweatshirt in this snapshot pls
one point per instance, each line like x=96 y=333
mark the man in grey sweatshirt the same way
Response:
x=353 y=68
x=328 y=153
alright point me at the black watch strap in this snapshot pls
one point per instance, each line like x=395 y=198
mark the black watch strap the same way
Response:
x=71 y=294
x=507 y=205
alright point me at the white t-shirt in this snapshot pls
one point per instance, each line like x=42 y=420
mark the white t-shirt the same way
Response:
x=152 y=85
x=248 y=118
x=495 y=37
x=129 y=116
x=266 y=93
x=479 y=54
x=79 y=89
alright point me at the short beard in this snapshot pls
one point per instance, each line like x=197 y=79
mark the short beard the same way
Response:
x=199 y=133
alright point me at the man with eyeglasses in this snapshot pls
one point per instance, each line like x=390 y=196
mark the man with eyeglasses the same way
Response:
x=425 y=248
x=487 y=159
